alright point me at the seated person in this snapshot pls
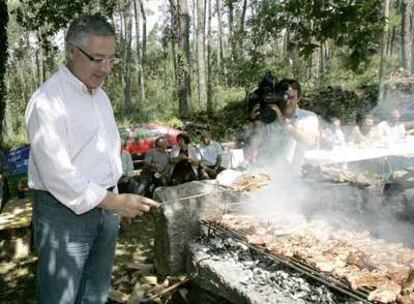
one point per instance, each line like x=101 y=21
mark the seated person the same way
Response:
x=392 y=130
x=365 y=133
x=127 y=183
x=21 y=189
x=210 y=156
x=156 y=171
x=333 y=135
x=185 y=160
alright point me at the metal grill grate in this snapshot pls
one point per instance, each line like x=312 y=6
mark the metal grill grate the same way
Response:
x=211 y=228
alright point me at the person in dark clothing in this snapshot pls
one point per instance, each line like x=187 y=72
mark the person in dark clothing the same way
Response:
x=127 y=183
x=186 y=161
x=157 y=168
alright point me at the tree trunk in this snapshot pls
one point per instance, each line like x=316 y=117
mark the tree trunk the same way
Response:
x=240 y=37
x=321 y=65
x=220 y=53
x=121 y=67
x=290 y=54
x=144 y=51
x=38 y=58
x=4 y=18
x=231 y=31
x=327 y=57
x=209 y=63
x=174 y=34
x=383 y=53
x=128 y=55
x=184 y=92
x=406 y=43
x=144 y=32
x=201 y=65
x=140 y=89
x=411 y=37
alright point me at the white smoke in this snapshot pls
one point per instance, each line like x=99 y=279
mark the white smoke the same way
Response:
x=341 y=205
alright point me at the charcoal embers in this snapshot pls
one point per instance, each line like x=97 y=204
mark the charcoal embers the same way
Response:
x=260 y=274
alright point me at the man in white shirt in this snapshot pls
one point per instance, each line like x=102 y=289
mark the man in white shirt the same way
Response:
x=392 y=130
x=73 y=168
x=210 y=155
x=283 y=142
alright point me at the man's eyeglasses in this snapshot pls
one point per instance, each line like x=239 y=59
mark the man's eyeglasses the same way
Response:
x=99 y=60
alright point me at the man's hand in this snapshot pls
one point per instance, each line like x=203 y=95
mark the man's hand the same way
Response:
x=182 y=157
x=280 y=117
x=194 y=162
x=128 y=205
x=254 y=114
x=210 y=172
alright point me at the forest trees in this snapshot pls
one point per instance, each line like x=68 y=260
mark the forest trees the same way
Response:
x=168 y=71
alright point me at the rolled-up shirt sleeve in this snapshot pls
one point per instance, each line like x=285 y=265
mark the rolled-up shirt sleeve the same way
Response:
x=47 y=127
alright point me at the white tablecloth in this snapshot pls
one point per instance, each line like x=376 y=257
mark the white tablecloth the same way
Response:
x=352 y=154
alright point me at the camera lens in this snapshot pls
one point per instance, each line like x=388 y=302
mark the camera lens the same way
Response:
x=267 y=115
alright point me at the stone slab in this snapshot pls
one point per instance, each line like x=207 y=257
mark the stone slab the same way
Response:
x=178 y=220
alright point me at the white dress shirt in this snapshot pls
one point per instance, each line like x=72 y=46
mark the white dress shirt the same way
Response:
x=391 y=133
x=75 y=145
x=278 y=146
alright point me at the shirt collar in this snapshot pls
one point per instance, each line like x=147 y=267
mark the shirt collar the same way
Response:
x=79 y=86
x=295 y=113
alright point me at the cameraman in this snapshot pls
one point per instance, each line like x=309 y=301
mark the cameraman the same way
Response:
x=280 y=131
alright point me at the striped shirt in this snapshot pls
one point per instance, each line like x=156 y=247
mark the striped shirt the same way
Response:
x=75 y=145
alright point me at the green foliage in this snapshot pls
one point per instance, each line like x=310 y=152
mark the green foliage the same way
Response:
x=225 y=96
x=226 y=124
x=49 y=16
x=355 y=24
x=16 y=140
x=337 y=102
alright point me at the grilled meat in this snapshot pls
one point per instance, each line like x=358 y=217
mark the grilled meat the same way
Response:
x=250 y=182
x=354 y=257
x=386 y=293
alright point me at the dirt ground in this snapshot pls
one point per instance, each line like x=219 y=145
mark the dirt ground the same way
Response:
x=133 y=268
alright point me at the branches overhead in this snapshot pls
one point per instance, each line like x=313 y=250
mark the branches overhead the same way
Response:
x=355 y=24
x=50 y=16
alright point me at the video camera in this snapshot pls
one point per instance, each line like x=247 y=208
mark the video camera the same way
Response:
x=268 y=92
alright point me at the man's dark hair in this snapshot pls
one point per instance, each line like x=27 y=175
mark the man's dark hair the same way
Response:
x=157 y=140
x=361 y=118
x=85 y=25
x=185 y=137
x=284 y=85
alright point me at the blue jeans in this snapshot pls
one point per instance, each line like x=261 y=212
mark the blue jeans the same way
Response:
x=75 y=252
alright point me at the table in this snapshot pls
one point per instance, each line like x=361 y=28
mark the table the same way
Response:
x=232 y=158
x=385 y=158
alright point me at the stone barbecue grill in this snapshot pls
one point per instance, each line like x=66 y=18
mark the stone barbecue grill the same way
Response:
x=223 y=266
